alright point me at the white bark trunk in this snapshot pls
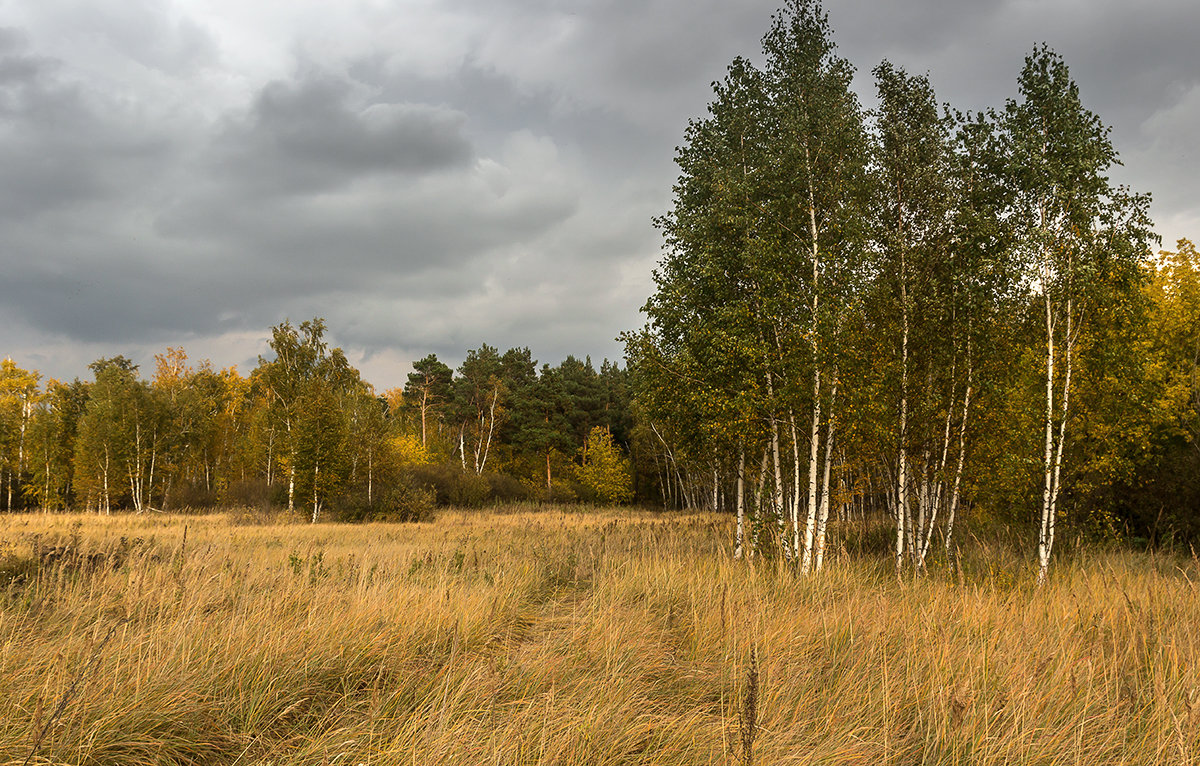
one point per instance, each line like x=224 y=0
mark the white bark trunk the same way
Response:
x=813 y=467
x=462 y=446
x=940 y=483
x=316 y=506
x=107 y=504
x=1051 y=513
x=962 y=451
x=491 y=428
x=741 y=506
x=777 y=490
x=1044 y=536
x=823 y=516
x=758 y=505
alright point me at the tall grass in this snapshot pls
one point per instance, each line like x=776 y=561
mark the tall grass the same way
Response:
x=584 y=638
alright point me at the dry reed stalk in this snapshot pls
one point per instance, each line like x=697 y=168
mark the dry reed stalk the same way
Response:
x=749 y=713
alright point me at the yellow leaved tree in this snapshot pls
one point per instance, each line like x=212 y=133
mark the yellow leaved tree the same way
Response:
x=605 y=470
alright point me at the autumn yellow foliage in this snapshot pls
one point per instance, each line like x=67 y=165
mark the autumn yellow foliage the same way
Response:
x=605 y=470
x=405 y=449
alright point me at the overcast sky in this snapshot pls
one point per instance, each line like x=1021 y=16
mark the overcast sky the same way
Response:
x=431 y=175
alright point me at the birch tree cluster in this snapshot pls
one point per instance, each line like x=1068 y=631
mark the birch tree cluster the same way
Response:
x=905 y=312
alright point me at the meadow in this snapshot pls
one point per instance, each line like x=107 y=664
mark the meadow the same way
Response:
x=601 y=636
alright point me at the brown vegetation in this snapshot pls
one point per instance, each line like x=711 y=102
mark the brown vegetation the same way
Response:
x=583 y=638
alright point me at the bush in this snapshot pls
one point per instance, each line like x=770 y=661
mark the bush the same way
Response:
x=451 y=485
x=248 y=493
x=396 y=501
x=189 y=495
x=606 y=473
x=503 y=488
x=404 y=502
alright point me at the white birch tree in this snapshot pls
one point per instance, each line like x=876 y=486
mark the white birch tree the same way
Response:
x=1074 y=227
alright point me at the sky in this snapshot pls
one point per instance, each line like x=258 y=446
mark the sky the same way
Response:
x=431 y=175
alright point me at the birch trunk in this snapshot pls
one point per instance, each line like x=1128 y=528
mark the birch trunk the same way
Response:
x=902 y=458
x=292 y=485
x=962 y=451
x=814 y=445
x=107 y=504
x=150 y=479
x=777 y=490
x=270 y=458
x=795 y=504
x=669 y=458
x=316 y=506
x=1053 y=478
x=940 y=483
x=815 y=327
x=1044 y=536
x=715 y=491
x=26 y=413
x=758 y=504
x=291 y=470
x=935 y=502
x=462 y=447
x=823 y=516
x=481 y=463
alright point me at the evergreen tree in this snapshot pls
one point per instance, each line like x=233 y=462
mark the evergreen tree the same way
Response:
x=429 y=391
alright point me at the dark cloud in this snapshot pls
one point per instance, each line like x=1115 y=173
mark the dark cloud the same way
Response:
x=315 y=133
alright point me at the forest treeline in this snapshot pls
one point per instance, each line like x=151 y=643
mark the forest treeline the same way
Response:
x=305 y=432
x=910 y=312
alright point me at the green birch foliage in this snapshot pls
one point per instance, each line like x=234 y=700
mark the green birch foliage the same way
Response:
x=1075 y=229
x=1081 y=240
x=915 y=287
x=104 y=444
x=299 y=389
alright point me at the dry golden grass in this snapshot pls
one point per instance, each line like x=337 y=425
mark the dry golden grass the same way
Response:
x=578 y=638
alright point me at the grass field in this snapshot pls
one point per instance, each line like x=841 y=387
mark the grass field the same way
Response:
x=601 y=637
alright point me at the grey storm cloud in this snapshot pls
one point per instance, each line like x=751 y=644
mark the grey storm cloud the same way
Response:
x=311 y=132
x=56 y=148
x=430 y=176
x=322 y=185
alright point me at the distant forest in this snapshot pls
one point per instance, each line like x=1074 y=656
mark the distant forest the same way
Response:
x=908 y=314
x=303 y=431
